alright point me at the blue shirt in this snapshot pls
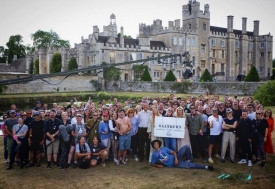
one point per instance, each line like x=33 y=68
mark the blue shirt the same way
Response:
x=103 y=127
x=163 y=156
x=134 y=122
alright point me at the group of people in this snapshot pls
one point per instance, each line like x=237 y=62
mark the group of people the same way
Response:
x=86 y=135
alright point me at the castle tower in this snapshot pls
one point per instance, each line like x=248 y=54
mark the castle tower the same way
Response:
x=194 y=19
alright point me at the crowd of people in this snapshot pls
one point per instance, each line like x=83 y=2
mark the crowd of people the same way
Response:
x=89 y=134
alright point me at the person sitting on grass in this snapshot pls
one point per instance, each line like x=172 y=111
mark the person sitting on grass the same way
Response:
x=99 y=152
x=164 y=157
x=82 y=151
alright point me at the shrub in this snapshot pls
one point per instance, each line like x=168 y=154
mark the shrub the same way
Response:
x=72 y=64
x=265 y=94
x=36 y=66
x=103 y=95
x=252 y=76
x=55 y=65
x=206 y=77
x=170 y=76
x=273 y=74
x=146 y=76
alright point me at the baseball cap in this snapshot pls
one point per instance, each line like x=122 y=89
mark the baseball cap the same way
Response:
x=36 y=113
x=38 y=102
x=228 y=110
x=79 y=115
x=12 y=111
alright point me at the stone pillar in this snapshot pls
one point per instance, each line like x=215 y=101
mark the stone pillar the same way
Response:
x=81 y=54
x=50 y=53
x=64 y=66
x=122 y=37
x=29 y=59
x=43 y=69
x=244 y=25
x=230 y=23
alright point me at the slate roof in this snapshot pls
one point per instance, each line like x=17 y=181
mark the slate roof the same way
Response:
x=224 y=30
x=130 y=42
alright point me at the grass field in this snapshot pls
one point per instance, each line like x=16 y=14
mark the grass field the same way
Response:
x=137 y=175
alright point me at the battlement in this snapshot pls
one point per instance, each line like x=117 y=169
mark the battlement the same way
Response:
x=192 y=10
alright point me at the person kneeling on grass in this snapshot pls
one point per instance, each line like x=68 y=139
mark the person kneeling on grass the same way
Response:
x=164 y=157
x=99 y=152
x=83 y=152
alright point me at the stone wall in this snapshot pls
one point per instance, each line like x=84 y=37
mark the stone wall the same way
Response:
x=70 y=84
x=229 y=88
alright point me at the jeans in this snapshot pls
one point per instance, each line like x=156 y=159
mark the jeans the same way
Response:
x=259 y=147
x=185 y=151
x=134 y=144
x=6 y=148
x=22 y=150
x=170 y=143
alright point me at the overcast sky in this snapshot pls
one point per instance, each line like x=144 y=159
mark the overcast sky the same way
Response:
x=72 y=19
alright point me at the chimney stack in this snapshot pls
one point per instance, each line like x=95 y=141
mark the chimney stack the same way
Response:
x=230 y=24
x=122 y=37
x=244 y=25
x=256 y=28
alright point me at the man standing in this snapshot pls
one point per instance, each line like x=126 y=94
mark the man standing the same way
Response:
x=36 y=139
x=92 y=126
x=27 y=122
x=79 y=129
x=143 y=119
x=245 y=135
x=164 y=157
x=38 y=106
x=215 y=123
x=51 y=129
x=124 y=127
x=195 y=125
x=161 y=109
x=9 y=123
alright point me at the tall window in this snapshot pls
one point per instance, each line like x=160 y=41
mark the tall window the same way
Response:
x=112 y=57
x=213 y=41
x=180 y=41
x=214 y=53
x=194 y=60
x=188 y=41
x=237 y=44
x=133 y=56
x=139 y=56
x=175 y=41
x=262 y=54
x=236 y=55
x=189 y=26
x=222 y=43
x=152 y=61
x=269 y=55
x=250 y=46
x=222 y=53
x=202 y=48
x=193 y=42
x=262 y=44
x=202 y=63
x=204 y=27
x=222 y=67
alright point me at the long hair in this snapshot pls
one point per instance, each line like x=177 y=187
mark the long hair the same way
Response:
x=183 y=114
x=270 y=115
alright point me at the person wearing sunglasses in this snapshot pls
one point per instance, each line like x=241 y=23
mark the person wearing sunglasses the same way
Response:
x=92 y=126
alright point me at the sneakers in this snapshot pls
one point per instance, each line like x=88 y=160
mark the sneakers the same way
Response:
x=9 y=167
x=210 y=160
x=242 y=161
x=115 y=160
x=249 y=164
x=29 y=165
x=6 y=160
x=61 y=167
x=75 y=165
x=124 y=163
x=263 y=164
x=232 y=160
x=117 y=163
x=56 y=164
x=210 y=167
x=136 y=159
x=48 y=166
x=223 y=160
x=218 y=156
x=38 y=164
x=68 y=166
x=103 y=164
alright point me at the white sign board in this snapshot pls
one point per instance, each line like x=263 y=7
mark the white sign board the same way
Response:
x=169 y=127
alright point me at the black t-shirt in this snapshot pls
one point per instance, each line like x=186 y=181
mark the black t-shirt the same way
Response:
x=237 y=114
x=230 y=122
x=222 y=113
x=96 y=149
x=260 y=126
x=52 y=127
x=37 y=130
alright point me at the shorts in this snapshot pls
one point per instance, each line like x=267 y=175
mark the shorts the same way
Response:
x=53 y=147
x=35 y=145
x=213 y=139
x=124 y=142
x=10 y=142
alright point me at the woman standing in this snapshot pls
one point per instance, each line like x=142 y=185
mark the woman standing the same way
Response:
x=114 y=136
x=133 y=132
x=186 y=140
x=104 y=131
x=151 y=127
x=268 y=147
x=170 y=143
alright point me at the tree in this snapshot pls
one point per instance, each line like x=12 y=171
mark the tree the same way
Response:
x=31 y=68
x=273 y=63
x=265 y=94
x=206 y=77
x=111 y=73
x=15 y=47
x=44 y=39
x=252 y=76
x=55 y=65
x=36 y=66
x=273 y=74
x=138 y=71
x=170 y=76
x=125 y=36
x=72 y=64
x=146 y=76
x=3 y=54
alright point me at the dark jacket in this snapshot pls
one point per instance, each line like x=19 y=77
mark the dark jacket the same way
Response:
x=245 y=129
x=194 y=124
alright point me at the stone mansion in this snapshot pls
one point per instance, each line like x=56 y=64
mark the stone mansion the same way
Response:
x=225 y=52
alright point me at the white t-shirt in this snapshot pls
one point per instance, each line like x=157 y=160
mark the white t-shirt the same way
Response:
x=217 y=125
